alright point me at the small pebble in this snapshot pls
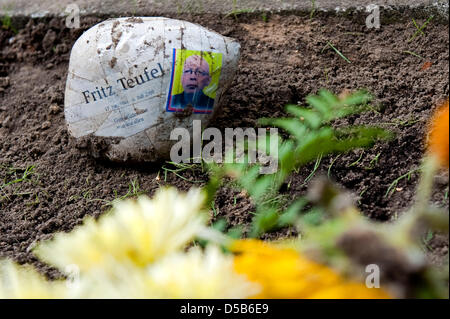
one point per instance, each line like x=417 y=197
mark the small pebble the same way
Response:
x=4 y=82
x=46 y=125
x=54 y=109
x=7 y=122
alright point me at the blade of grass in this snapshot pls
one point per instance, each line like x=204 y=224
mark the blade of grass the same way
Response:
x=419 y=30
x=337 y=51
x=413 y=53
x=313 y=9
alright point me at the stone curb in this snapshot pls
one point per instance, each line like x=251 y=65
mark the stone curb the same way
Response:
x=112 y=8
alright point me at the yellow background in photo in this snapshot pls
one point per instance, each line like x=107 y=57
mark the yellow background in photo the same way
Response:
x=215 y=66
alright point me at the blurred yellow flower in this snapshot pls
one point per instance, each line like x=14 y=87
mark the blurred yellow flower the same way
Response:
x=23 y=282
x=438 y=135
x=134 y=231
x=284 y=273
x=350 y=290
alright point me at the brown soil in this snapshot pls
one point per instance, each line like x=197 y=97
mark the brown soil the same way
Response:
x=282 y=62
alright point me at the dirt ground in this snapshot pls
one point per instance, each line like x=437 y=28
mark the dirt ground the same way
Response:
x=49 y=185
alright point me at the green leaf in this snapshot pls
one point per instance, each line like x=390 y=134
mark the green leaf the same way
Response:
x=261 y=186
x=357 y=98
x=311 y=137
x=319 y=104
x=293 y=126
x=311 y=118
x=263 y=222
x=329 y=98
x=291 y=214
x=248 y=179
x=312 y=218
x=235 y=232
x=220 y=224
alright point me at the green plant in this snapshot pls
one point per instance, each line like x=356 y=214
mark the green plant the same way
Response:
x=356 y=163
x=403 y=123
x=420 y=29
x=16 y=180
x=27 y=172
x=178 y=168
x=7 y=24
x=331 y=165
x=394 y=184
x=413 y=54
x=354 y=33
x=426 y=239
x=342 y=235
x=235 y=12
x=373 y=162
x=316 y=166
x=264 y=17
x=311 y=137
x=313 y=9
x=133 y=191
x=329 y=44
x=325 y=73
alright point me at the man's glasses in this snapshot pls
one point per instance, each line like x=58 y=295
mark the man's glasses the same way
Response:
x=196 y=72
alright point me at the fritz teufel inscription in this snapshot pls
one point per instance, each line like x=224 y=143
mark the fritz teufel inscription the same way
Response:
x=125 y=84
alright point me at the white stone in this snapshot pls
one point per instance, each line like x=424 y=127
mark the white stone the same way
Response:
x=124 y=89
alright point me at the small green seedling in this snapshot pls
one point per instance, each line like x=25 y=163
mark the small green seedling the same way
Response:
x=356 y=163
x=235 y=12
x=329 y=44
x=331 y=165
x=313 y=9
x=420 y=29
x=7 y=24
x=394 y=184
x=181 y=167
x=413 y=54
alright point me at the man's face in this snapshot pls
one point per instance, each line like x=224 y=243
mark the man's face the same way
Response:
x=195 y=74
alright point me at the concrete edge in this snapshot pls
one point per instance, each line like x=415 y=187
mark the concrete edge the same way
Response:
x=389 y=13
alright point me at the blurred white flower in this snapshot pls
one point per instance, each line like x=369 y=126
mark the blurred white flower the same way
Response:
x=192 y=274
x=197 y=274
x=134 y=231
x=24 y=282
